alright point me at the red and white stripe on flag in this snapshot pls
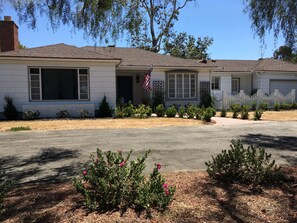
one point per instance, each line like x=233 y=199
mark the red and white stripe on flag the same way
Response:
x=146 y=84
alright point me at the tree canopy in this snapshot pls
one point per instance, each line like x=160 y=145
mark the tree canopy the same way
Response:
x=146 y=22
x=187 y=47
x=278 y=16
x=285 y=53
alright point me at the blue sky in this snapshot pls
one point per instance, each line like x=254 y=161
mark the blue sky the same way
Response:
x=222 y=20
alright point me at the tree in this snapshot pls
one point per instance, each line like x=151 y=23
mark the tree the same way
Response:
x=146 y=22
x=278 y=16
x=21 y=46
x=285 y=53
x=187 y=47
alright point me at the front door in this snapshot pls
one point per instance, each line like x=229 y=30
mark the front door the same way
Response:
x=235 y=86
x=125 y=89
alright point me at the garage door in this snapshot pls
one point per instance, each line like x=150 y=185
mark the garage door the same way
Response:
x=284 y=86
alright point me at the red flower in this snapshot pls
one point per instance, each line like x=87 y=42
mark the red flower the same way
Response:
x=167 y=192
x=165 y=186
x=159 y=166
x=122 y=163
x=85 y=172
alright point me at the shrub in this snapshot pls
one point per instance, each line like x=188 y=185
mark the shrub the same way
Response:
x=20 y=128
x=249 y=165
x=235 y=108
x=285 y=106
x=245 y=112
x=5 y=187
x=208 y=114
x=84 y=114
x=263 y=106
x=129 y=109
x=276 y=106
x=141 y=111
x=10 y=110
x=158 y=98
x=191 y=111
x=149 y=111
x=199 y=113
x=31 y=115
x=294 y=105
x=254 y=106
x=63 y=113
x=171 y=112
x=119 y=112
x=223 y=112
x=181 y=111
x=104 y=109
x=160 y=110
x=258 y=114
x=113 y=182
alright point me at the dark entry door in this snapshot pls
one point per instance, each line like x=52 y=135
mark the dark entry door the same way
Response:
x=125 y=88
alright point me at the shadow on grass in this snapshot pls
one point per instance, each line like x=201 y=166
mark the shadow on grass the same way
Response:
x=40 y=168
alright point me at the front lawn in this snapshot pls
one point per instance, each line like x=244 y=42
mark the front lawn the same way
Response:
x=197 y=199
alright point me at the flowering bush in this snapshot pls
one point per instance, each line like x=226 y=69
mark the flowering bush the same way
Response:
x=113 y=182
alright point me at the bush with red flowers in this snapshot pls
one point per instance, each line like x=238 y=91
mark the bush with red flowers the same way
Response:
x=111 y=182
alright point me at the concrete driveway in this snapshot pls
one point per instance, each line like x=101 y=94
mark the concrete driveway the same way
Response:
x=57 y=155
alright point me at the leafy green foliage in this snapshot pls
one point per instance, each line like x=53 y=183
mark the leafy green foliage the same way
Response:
x=63 y=113
x=160 y=110
x=141 y=111
x=181 y=111
x=84 y=114
x=208 y=114
x=285 y=106
x=31 y=115
x=10 y=110
x=119 y=112
x=223 y=112
x=187 y=47
x=249 y=165
x=129 y=109
x=19 y=128
x=112 y=182
x=171 y=112
x=5 y=187
x=263 y=106
x=258 y=114
x=104 y=109
x=254 y=106
x=245 y=112
x=235 y=108
x=285 y=53
x=158 y=99
x=277 y=107
x=191 y=111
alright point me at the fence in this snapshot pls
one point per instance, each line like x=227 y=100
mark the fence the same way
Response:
x=224 y=100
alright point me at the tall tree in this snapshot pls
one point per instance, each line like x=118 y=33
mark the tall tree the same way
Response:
x=187 y=47
x=146 y=22
x=278 y=16
x=285 y=53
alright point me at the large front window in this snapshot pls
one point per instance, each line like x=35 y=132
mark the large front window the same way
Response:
x=181 y=85
x=59 y=84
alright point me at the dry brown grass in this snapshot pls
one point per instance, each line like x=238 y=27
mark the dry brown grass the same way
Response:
x=197 y=199
x=70 y=124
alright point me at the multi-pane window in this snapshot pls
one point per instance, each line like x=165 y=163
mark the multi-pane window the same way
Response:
x=216 y=83
x=181 y=85
x=59 y=84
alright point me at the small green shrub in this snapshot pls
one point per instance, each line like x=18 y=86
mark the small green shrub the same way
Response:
x=31 y=115
x=208 y=114
x=171 y=112
x=254 y=106
x=20 y=128
x=158 y=98
x=5 y=187
x=112 y=182
x=149 y=111
x=285 y=106
x=160 y=110
x=294 y=105
x=10 y=110
x=63 y=113
x=249 y=165
x=84 y=114
x=104 y=109
x=119 y=112
x=199 y=113
x=263 y=106
x=235 y=108
x=129 y=109
x=277 y=107
x=223 y=112
x=191 y=111
x=181 y=111
x=245 y=112
x=258 y=114
x=141 y=111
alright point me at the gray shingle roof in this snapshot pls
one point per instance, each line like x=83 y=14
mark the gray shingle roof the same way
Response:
x=61 y=51
x=253 y=65
x=139 y=57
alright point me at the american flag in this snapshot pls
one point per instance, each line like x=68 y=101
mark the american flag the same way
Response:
x=146 y=84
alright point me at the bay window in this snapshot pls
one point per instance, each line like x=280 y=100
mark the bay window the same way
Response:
x=181 y=85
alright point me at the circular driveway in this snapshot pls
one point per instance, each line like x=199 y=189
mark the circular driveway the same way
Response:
x=56 y=155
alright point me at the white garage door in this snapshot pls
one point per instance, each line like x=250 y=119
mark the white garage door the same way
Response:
x=284 y=86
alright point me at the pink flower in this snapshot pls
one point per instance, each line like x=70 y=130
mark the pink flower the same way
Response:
x=85 y=172
x=122 y=163
x=159 y=166
x=165 y=186
x=167 y=192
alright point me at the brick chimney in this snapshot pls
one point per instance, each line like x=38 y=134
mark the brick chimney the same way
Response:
x=9 y=37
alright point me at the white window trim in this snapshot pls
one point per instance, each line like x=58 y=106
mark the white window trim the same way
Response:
x=183 y=87
x=78 y=86
x=213 y=83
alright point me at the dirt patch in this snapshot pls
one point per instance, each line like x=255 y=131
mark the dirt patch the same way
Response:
x=72 y=124
x=197 y=199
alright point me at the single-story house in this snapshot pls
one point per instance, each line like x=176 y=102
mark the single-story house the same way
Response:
x=54 y=77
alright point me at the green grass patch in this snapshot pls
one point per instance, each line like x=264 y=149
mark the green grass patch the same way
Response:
x=19 y=128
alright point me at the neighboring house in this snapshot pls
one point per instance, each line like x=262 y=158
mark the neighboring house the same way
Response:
x=60 y=76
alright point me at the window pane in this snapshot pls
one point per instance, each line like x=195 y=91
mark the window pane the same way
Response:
x=193 y=86
x=35 y=96
x=179 y=85
x=186 y=86
x=35 y=90
x=34 y=77
x=171 y=87
x=59 y=84
x=35 y=84
x=84 y=96
x=34 y=70
x=83 y=71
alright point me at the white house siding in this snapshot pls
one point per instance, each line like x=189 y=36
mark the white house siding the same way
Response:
x=256 y=81
x=14 y=82
x=245 y=82
x=225 y=83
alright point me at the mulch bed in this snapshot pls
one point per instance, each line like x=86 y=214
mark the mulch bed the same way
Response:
x=197 y=199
